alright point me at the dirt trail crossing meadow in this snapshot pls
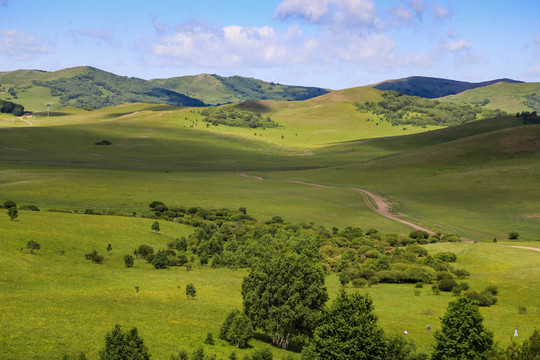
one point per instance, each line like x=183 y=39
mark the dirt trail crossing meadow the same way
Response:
x=382 y=206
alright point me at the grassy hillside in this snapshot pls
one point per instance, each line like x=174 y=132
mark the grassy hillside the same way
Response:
x=507 y=97
x=214 y=89
x=62 y=303
x=429 y=87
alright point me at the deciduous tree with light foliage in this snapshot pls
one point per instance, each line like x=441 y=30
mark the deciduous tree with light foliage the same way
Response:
x=284 y=296
x=463 y=335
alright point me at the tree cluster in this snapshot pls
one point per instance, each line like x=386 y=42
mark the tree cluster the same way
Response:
x=232 y=116
x=528 y=118
x=400 y=109
x=11 y=108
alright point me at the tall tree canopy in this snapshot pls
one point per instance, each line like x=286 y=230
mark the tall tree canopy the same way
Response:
x=284 y=296
x=349 y=330
x=463 y=335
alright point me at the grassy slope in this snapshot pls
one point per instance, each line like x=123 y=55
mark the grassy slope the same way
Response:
x=78 y=302
x=507 y=97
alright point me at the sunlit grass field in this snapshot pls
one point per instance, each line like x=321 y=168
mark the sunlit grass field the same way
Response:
x=479 y=180
x=56 y=302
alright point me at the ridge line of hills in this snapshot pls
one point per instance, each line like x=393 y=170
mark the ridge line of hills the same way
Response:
x=91 y=88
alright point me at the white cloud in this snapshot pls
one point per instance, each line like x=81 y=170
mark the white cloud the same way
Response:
x=206 y=45
x=455 y=45
x=19 y=45
x=341 y=13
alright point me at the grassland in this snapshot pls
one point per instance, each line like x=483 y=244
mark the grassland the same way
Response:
x=63 y=304
x=504 y=96
x=479 y=180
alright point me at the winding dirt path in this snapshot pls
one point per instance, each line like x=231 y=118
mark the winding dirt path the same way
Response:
x=22 y=118
x=383 y=207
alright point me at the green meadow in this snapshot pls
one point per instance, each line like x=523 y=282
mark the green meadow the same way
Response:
x=61 y=303
x=478 y=180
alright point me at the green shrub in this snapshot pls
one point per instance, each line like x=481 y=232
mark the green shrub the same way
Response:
x=492 y=289
x=161 y=260
x=29 y=207
x=461 y=274
x=446 y=256
x=482 y=299
x=422 y=274
x=513 y=235
x=447 y=284
x=128 y=261
x=418 y=234
x=359 y=282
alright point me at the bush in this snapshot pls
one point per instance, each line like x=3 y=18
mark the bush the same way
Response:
x=191 y=292
x=33 y=245
x=422 y=274
x=262 y=354
x=418 y=234
x=359 y=282
x=182 y=355
x=8 y=204
x=209 y=339
x=461 y=274
x=161 y=261
x=447 y=284
x=513 y=235
x=145 y=250
x=481 y=299
x=128 y=261
x=30 y=207
x=446 y=256
x=492 y=289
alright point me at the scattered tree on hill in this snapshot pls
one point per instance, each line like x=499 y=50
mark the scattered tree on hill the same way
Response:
x=155 y=226
x=128 y=261
x=513 y=235
x=160 y=260
x=349 y=330
x=9 y=204
x=463 y=335
x=33 y=245
x=109 y=248
x=191 y=292
x=124 y=345
x=13 y=213
x=284 y=295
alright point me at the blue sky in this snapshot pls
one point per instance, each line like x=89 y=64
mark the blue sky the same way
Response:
x=328 y=43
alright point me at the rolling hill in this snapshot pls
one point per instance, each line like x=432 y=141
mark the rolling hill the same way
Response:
x=214 y=89
x=510 y=97
x=91 y=88
x=431 y=88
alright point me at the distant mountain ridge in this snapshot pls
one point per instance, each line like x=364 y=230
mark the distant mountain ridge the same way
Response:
x=431 y=88
x=92 y=88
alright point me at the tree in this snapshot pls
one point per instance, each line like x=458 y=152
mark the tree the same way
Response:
x=513 y=235
x=13 y=213
x=463 y=335
x=128 y=261
x=161 y=261
x=190 y=290
x=236 y=329
x=9 y=204
x=120 y=345
x=33 y=245
x=155 y=226
x=109 y=248
x=284 y=296
x=349 y=330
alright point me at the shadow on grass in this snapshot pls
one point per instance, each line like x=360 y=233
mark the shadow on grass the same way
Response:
x=295 y=345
